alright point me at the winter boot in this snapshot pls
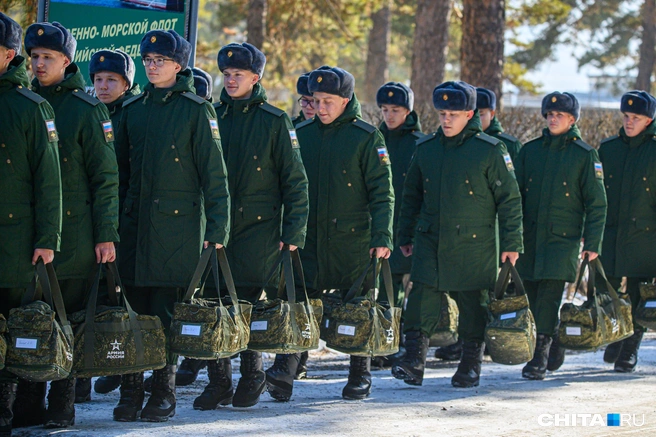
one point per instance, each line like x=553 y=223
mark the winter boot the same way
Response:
x=628 y=358
x=252 y=382
x=61 y=404
x=450 y=353
x=359 y=379
x=411 y=368
x=7 y=397
x=82 y=390
x=469 y=369
x=301 y=370
x=107 y=384
x=536 y=369
x=219 y=390
x=30 y=404
x=130 y=403
x=556 y=355
x=612 y=352
x=188 y=371
x=280 y=376
x=161 y=404
x=148 y=384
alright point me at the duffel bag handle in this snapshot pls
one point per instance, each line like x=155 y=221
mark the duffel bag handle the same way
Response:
x=508 y=271
x=378 y=264
x=45 y=276
x=209 y=261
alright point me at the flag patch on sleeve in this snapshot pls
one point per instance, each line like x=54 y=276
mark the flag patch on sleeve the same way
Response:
x=294 y=138
x=383 y=156
x=108 y=130
x=509 y=163
x=214 y=127
x=599 y=170
x=52 y=131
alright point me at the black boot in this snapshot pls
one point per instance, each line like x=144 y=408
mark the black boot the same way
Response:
x=161 y=404
x=7 y=397
x=411 y=368
x=450 y=353
x=130 y=403
x=469 y=369
x=628 y=358
x=30 y=404
x=61 y=404
x=359 y=379
x=280 y=376
x=188 y=371
x=107 y=384
x=301 y=370
x=148 y=384
x=556 y=355
x=82 y=390
x=252 y=382
x=612 y=352
x=219 y=390
x=536 y=369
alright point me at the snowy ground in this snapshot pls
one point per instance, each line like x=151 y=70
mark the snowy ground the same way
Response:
x=503 y=405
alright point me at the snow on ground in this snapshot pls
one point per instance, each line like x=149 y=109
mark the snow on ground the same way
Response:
x=503 y=405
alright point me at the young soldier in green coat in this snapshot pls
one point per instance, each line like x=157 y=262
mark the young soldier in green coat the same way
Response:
x=629 y=161
x=30 y=183
x=89 y=181
x=351 y=197
x=561 y=181
x=459 y=182
x=306 y=101
x=268 y=188
x=486 y=103
x=177 y=202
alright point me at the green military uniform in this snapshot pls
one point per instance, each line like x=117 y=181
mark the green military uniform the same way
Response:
x=300 y=118
x=512 y=144
x=268 y=187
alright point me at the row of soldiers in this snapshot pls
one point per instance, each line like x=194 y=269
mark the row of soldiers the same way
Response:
x=185 y=173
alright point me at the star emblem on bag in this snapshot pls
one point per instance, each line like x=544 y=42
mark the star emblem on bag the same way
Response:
x=390 y=335
x=116 y=346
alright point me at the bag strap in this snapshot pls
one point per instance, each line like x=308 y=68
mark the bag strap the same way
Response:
x=378 y=265
x=387 y=280
x=508 y=271
x=355 y=289
x=201 y=267
x=227 y=277
x=613 y=293
x=51 y=292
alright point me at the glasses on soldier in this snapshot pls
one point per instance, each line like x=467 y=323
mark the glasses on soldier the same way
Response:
x=306 y=102
x=159 y=62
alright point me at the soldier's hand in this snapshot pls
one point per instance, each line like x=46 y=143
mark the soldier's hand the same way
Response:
x=380 y=252
x=591 y=255
x=407 y=250
x=47 y=255
x=512 y=256
x=206 y=244
x=105 y=252
x=291 y=247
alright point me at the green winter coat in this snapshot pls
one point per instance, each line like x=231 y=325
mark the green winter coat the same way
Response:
x=454 y=191
x=89 y=174
x=30 y=182
x=178 y=195
x=267 y=182
x=351 y=197
x=401 y=147
x=512 y=144
x=630 y=232
x=564 y=200
x=300 y=118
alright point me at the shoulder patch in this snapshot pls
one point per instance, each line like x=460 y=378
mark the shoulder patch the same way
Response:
x=108 y=130
x=419 y=135
x=132 y=100
x=383 y=156
x=193 y=97
x=508 y=160
x=364 y=125
x=86 y=97
x=214 y=128
x=605 y=140
x=508 y=137
x=272 y=109
x=30 y=94
x=579 y=142
x=294 y=138
x=52 y=131
x=425 y=139
x=488 y=138
x=599 y=170
x=305 y=123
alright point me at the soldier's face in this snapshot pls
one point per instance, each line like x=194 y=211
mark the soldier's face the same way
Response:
x=239 y=83
x=394 y=115
x=329 y=106
x=559 y=122
x=164 y=75
x=453 y=122
x=307 y=106
x=109 y=86
x=6 y=56
x=634 y=124
x=486 y=117
x=49 y=66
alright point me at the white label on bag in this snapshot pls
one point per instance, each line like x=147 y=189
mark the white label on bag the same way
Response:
x=650 y=304
x=193 y=330
x=259 y=326
x=327 y=322
x=507 y=316
x=346 y=330
x=573 y=330
x=26 y=343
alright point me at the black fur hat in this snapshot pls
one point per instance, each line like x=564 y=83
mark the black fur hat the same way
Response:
x=485 y=99
x=52 y=36
x=116 y=61
x=638 y=102
x=11 y=33
x=167 y=43
x=302 y=85
x=454 y=96
x=561 y=102
x=202 y=83
x=243 y=57
x=332 y=80
x=395 y=93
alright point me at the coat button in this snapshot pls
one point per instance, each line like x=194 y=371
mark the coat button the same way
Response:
x=259 y=217
x=352 y=229
x=644 y=179
x=172 y=147
x=349 y=184
x=65 y=159
x=566 y=194
x=607 y=186
x=610 y=176
x=498 y=182
x=647 y=189
x=403 y=174
x=425 y=191
x=11 y=215
x=474 y=236
x=344 y=171
x=526 y=189
x=564 y=234
x=3 y=146
x=259 y=168
x=530 y=179
x=466 y=181
x=471 y=192
x=9 y=161
x=564 y=183
x=175 y=212
x=426 y=179
x=177 y=160
x=254 y=156
x=68 y=213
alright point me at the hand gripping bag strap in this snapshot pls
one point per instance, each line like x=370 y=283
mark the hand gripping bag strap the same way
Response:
x=596 y=263
x=591 y=293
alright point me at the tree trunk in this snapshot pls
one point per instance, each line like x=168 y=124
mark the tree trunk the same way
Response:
x=646 y=63
x=481 y=54
x=429 y=49
x=255 y=23
x=377 y=52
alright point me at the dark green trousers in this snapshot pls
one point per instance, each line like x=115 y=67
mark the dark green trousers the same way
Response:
x=544 y=298
x=632 y=288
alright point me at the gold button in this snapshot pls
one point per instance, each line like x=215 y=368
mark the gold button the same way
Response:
x=647 y=228
x=564 y=234
x=68 y=213
x=3 y=146
x=564 y=183
x=9 y=161
x=530 y=179
x=175 y=212
x=65 y=159
x=258 y=169
x=344 y=171
x=254 y=156
x=403 y=174
x=352 y=229
x=426 y=179
x=471 y=192
x=259 y=217
x=566 y=194
x=647 y=189
x=474 y=236
x=527 y=189
x=177 y=160
x=644 y=179
x=349 y=184
x=11 y=215
x=607 y=186
x=172 y=147
x=466 y=181
x=425 y=191
x=20 y=87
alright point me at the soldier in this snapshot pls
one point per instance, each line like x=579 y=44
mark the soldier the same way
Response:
x=561 y=182
x=459 y=182
x=30 y=182
x=203 y=84
x=306 y=101
x=486 y=103
x=351 y=197
x=268 y=188
x=629 y=160
x=89 y=183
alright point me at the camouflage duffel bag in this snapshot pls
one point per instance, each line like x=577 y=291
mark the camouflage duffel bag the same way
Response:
x=510 y=336
x=645 y=313
x=602 y=319
x=284 y=325
x=446 y=331
x=358 y=324
x=207 y=329
x=40 y=338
